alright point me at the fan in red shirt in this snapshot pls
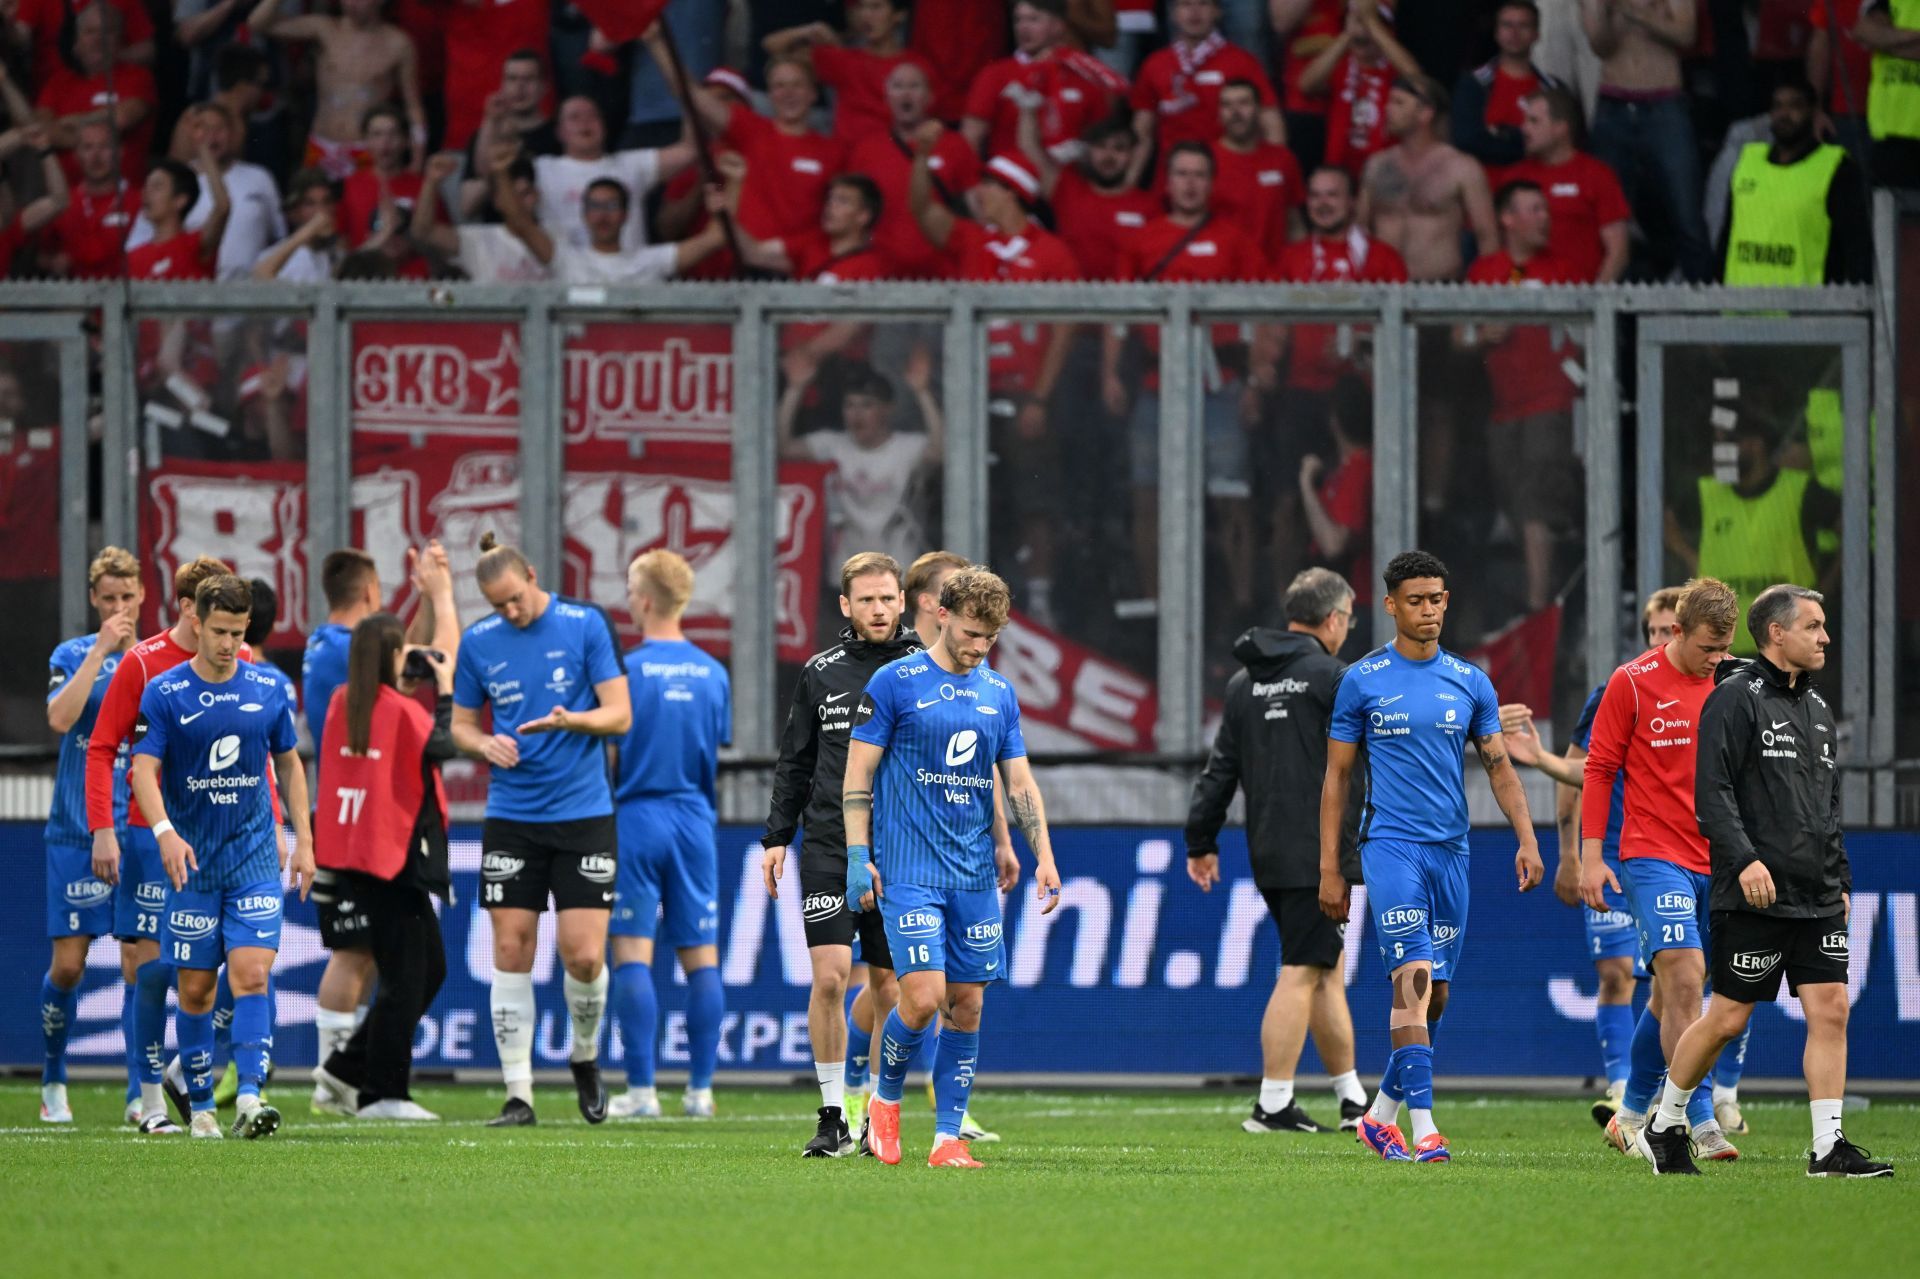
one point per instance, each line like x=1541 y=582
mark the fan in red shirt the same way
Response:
x=1256 y=183
x=1530 y=450
x=958 y=38
x=1354 y=74
x=1176 y=95
x=1304 y=28
x=75 y=96
x=1846 y=86
x=1647 y=722
x=1338 y=503
x=1190 y=243
x=86 y=241
x=1074 y=90
x=376 y=204
x=164 y=348
x=1092 y=198
x=839 y=250
x=887 y=158
x=480 y=36
x=1589 y=210
x=18 y=224
x=859 y=77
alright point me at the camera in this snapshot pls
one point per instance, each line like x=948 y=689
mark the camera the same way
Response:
x=419 y=664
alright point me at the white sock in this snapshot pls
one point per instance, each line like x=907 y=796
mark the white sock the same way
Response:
x=334 y=1028
x=1723 y=1094
x=1275 y=1094
x=1826 y=1126
x=360 y=1012
x=1347 y=1088
x=1422 y=1123
x=246 y=1103
x=833 y=1083
x=513 y=1014
x=1673 y=1107
x=587 y=1006
x=175 y=1075
x=1385 y=1110
x=153 y=1100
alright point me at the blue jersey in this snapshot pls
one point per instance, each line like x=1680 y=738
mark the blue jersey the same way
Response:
x=67 y=822
x=323 y=669
x=215 y=743
x=682 y=716
x=1413 y=721
x=1617 y=808
x=524 y=673
x=933 y=796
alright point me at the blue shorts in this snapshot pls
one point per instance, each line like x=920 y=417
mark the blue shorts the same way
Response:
x=78 y=905
x=201 y=927
x=1669 y=903
x=668 y=859
x=141 y=897
x=1611 y=933
x=1418 y=896
x=955 y=931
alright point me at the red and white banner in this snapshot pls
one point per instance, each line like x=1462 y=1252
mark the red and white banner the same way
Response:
x=619 y=381
x=1092 y=703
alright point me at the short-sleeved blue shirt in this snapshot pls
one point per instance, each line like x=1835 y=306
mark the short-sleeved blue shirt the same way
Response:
x=933 y=796
x=526 y=672
x=67 y=822
x=682 y=716
x=1413 y=721
x=322 y=670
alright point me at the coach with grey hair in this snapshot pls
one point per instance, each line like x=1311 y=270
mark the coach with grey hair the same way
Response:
x=1767 y=795
x=1273 y=738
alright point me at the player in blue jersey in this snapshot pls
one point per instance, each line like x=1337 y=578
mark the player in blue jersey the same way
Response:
x=918 y=804
x=199 y=773
x=1404 y=714
x=81 y=906
x=351 y=582
x=549 y=668
x=669 y=872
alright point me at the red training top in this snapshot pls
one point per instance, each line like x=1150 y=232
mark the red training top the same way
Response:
x=1646 y=723
x=390 y=781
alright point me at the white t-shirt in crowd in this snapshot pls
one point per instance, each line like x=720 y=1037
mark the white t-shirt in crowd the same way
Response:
x=562 y=183
x=649 y=265
x=491 y=254
x=306 y=265
x=254 y=221
x=868 y=493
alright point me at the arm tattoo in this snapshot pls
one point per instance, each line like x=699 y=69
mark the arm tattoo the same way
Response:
x=1023 y=808
x=1490 y=757
x=860 y=800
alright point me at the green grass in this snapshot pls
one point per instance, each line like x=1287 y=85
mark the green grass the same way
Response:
x=1083 y=1184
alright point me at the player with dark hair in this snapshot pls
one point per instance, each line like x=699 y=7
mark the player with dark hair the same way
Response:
x=1767 y=792
x=80 y=905
x=1415 y=707
x=924 y=852
x=827 y=703
x=213 y=727
x=550 y=669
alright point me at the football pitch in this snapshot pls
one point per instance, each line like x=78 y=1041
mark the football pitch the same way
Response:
x=1082 y=1183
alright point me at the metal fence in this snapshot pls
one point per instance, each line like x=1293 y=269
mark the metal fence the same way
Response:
x=1650 y=356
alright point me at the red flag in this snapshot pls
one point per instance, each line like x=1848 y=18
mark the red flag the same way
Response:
x=1519 y=657
x=621 y=20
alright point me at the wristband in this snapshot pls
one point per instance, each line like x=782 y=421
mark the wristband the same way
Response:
x=859 y=878
x=162 y=827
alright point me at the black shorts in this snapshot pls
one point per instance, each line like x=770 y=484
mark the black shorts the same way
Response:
x=823 y=909
x=340 y=903
x=1307 y=937
x=1751 y=952
x=521 y=862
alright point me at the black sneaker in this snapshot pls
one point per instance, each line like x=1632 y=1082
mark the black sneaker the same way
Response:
x=1847 y=1160
x=1289 y=1118
x=590 y=1091
x=177 y=1097
x=831 y=1140
x=866 y=1146
x=1670 y=1151
x=1350 y=1112
x=515 y=1114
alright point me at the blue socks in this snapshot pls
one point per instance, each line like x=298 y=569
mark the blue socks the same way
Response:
x=1647 y=1064
x=196 y=1056
x=954 y=1058
x=897 y=1046
x=1700 y=1105
x=1416 y=1075
x=1733 y=1061
x=706 y=1008
x=1614 y=1024
x=252 y=1040
x=1392 y=1085
x=859 y=1050
x=150 y=982
x=637 y=1008
x=56 y=1021
x=222 y=1022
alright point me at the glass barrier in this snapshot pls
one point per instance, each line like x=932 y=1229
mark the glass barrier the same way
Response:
x=30 y=529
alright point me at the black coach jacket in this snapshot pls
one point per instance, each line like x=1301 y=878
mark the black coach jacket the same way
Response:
x=1766 y=786
x=1273 y=740
x=827 y=703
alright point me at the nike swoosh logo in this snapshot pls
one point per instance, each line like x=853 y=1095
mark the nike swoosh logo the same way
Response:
x=263 y=934
x=834 y=697
x=606 y=897
x=923 y=705
x=1388 y=701
x=188 y=719
x=995 y=964
x=1781 y=723
x=496 y=668
x=1660 y=706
